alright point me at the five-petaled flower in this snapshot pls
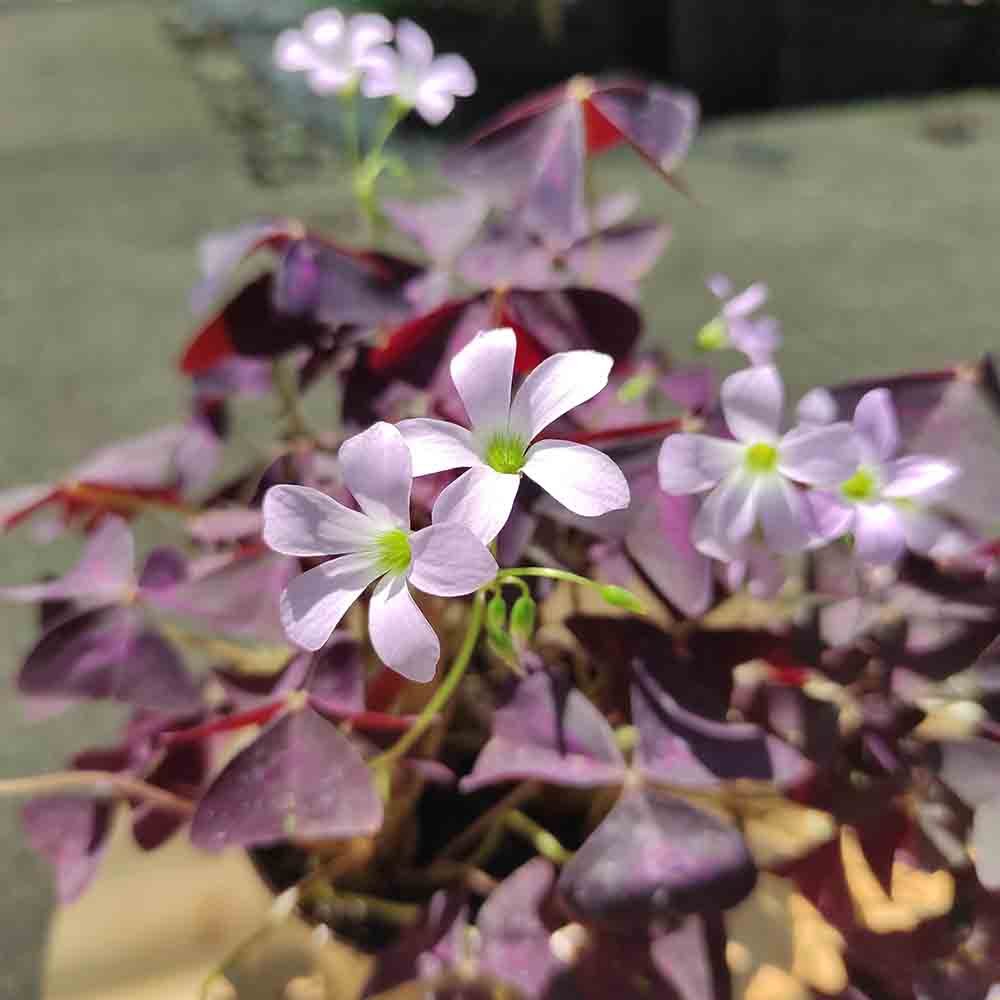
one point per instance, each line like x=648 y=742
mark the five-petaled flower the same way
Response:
x=882 y=503
x=753 y=479
x=332 y=50
x=736 y=324
x=411 y=73
x=372 y=544
x=497 y=451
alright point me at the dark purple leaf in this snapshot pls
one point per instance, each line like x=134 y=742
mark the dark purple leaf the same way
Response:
x=681 y=748
x=182 y=771
x=301 y=778
x=70 y=832
x=615 y=260
x=336 y=679
x=655 y=857
x=682 y=956
x=245 y=690
x=164 y=567
x=108 y=654
x=422 y=949
x=548 y=732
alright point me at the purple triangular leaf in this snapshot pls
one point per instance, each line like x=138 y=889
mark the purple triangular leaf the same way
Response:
x=548 y=732
x=656 y=857
x=682 y=956
x=336 y=680
x=617 y=259
x=301 y=778
x=182 y=771
x=681 y=748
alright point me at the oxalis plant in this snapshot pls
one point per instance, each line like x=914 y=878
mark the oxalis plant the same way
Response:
x=549 y=668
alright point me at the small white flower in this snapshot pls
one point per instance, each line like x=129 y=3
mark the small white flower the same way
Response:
x=331 y=49
x=497 y=451
x=413 y=75
x=372 y=544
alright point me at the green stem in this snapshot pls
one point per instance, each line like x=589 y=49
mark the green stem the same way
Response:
x=288 y=398
x=612 y=594
x=440 y=697
x=543 y=841
x=368 y=170
x=349 y=104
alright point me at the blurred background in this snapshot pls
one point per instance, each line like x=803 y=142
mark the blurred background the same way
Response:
x=850 y=159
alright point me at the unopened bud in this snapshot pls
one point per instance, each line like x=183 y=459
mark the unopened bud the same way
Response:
x=522 y=618
x=619 y=597
x=496 y=617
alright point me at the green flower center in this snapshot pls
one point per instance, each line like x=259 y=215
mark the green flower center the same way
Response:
x=761 y=457
x=505 y=453
x=713 y=336
x=394 y=551
x=863 y=485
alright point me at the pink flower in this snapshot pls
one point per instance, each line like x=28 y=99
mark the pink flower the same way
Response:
x=415 y=77
x=736 y=325
x=332 y=50
x=373 y=544
x=882 y=502
x=497 y=450
x=752 y=481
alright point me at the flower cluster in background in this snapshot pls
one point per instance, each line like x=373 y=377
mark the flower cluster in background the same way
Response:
x=547 y=665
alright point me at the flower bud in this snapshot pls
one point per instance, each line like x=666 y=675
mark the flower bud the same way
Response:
x=522 y=618
x=619 y=597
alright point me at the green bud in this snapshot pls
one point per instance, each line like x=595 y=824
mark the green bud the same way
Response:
x=502 y=645
x=713 y=336
x=522 y=618
x=496 y=616
x=619 y=597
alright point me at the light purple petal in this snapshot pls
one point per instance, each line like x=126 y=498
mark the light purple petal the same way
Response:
x=329 y=79
x=557 y=385
x=414 y=44
x=820 y=455
x=401 y=636
x=449 y=561
x=927 y=533
x=727 y=516
x=917 y=475
x=750 y=299
x=433 y=105
x=878 y=533
x=817 y=406
x=581 y=478
x=366 y=31
x=481 y=499
x=751 y=403
x=758 y=339
x=437 y=445
x=875 y=422
x=324 y=28
x=292 y=53
x=783 y=515
x=482 y=372
x=450 y=74
x=719 y=285
x=313 y=603
x=377 y=469
x=104 y=575
x=830 y=515
x=381 y=72
x=692 y=463
x=301 y=521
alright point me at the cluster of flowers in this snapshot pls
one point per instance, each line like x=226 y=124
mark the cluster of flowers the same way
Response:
x=745 y=690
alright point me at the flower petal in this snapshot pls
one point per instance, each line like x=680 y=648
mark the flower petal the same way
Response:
x=451 y=74
x=324 y=28
x=917 y=475
x=482 y=372
x=329 y=79
x=783 y=515
x=414 y=44
x=381 y=72
x=378 y=471
x=481 y=499
x=751 y=403
x=746 y=302
x=366 y=31
x=875 y=422
x=719 y=285
x=557 y=385
x=449 y=561
x=726 y=518
x=292 y=53
x=581 y=478
x=433 y=105
x=313 y=603
x=878 y=533
x=437 y=445
x=817 y=406
x=691 y=463
x=831 y=517
x=819 y=454
x=400 y=635
x=301 y=521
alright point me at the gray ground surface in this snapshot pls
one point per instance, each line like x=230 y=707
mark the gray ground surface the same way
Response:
x=878 y=242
